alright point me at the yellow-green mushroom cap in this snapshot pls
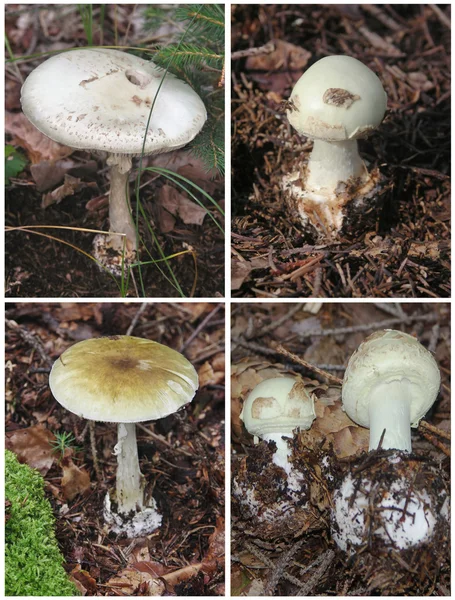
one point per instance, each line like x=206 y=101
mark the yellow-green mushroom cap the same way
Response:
x=122 y=379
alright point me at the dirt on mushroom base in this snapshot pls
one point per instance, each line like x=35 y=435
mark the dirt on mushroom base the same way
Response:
x=310 y=564
x=408 y=255
x=29 y=256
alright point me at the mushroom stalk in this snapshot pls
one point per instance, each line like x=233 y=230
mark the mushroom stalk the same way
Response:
x=332 y=163
x=283 y=452
x=130 y=494
x=120 y=220
x=390 y=410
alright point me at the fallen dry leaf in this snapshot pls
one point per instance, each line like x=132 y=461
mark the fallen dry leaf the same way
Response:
x=70 y=186
x=173 y=202
x=84 y=582
x=212 y=372
x=350 y=441
x=279 y=69
x=32 y=446
x=47 y=174
x=75 y=480
x=241 y=269
x=38 y=146
x=131 y=580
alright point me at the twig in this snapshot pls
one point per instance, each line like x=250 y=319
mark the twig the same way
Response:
x=161 y=439
x=436 y=443
x=434 y=338
x=30 y=339
x=386 y=324
x=281 y=564
x=279 y=321
x=266 y=49
x=434 y=429
x=325 y=560
x=306 y=364
x=441 y=16
x=133 y=324
x=200 y=327
x=269 y=563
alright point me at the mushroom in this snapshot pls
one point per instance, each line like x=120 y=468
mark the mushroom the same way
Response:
x=336 y=102
x=273 y=409
x=101 y=100
x=278 y=489
x=124 y=380
x=390 y=497
x=390 y=382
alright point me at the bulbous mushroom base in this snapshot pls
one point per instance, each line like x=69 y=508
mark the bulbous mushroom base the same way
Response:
x=352 y=208
x=117 y=263
x=272 y=503
x=141 y=523
x=391 y=510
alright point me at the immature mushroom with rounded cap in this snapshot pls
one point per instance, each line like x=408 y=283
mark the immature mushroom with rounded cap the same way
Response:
x=335 y=102
x=274 y=486
x=275 y=408
x=124 y=380
x=100 y=99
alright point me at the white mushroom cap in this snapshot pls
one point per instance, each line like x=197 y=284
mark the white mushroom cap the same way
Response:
x=122 y=379
x=337 y=99
x=390 y=356
x=100 y=99
x=278 y=405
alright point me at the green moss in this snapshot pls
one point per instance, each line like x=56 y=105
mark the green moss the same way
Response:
x=33 y=562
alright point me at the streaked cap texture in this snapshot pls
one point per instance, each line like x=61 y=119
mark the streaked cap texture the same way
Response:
x=122 y=379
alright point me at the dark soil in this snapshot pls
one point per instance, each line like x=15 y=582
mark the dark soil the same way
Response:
x=407 y=254
x=275 y=339
x=181 y=456
x=40 y=267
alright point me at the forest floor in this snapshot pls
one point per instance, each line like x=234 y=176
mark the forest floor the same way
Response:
x=278 y=558
x=181 y=456
x=66 y=191
x=408 y=253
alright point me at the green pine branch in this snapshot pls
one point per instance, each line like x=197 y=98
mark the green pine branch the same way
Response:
x=197 y=57
x=189 y=56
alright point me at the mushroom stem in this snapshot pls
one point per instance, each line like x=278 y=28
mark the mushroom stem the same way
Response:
x=280 y=458
x=390 y=410
x=130 y=494
x=332 y=163
x=120 y=220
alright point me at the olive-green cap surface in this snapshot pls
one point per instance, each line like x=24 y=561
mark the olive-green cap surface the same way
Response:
x=122 y=379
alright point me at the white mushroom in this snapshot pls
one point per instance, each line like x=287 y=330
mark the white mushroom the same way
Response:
x=390 y=498
x=275 y=408
x=335 y=102
x=101 y=99
x=391 y=381
x=124 y=380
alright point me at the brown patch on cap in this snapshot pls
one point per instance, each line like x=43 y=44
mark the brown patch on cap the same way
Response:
x=85 y=81
x=259 y=404
x=339 y=97
x=124 y=363
x=137 y=101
